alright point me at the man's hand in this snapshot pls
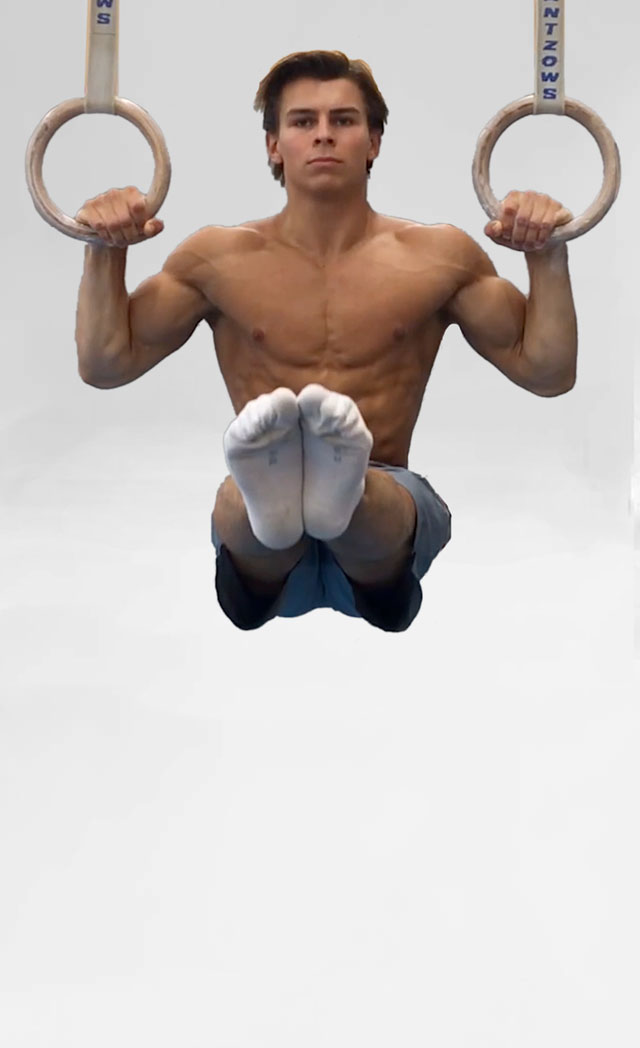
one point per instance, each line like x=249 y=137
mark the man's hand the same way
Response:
x=526 y=221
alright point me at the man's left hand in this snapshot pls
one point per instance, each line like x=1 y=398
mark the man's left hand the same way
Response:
x=526 y=221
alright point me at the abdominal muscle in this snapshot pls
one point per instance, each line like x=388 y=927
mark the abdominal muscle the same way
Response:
x=368 y=325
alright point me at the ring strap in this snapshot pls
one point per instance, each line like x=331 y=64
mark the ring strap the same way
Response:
x=101 y=77
x=549 y=57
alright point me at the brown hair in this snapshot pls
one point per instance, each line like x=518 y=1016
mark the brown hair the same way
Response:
x=319 y=65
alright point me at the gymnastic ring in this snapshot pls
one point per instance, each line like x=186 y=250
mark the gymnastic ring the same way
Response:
x=577 y=111
x=44 y=132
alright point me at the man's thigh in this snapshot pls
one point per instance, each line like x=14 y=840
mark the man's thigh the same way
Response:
x=433 y=517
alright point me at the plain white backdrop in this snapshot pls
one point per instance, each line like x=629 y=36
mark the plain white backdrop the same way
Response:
x=315 y=833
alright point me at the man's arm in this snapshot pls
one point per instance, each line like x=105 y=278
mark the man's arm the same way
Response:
x=119 y=336
x=533 y=340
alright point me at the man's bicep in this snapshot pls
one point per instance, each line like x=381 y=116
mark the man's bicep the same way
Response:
x=490 y=313
x=164 y=311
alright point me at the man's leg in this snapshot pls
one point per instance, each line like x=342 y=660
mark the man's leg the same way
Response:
x=377 y=545
x=376 y=554
x=366 y=519
x=364 y=516
x=263 y=451
x=258 y=511
x=263 y=570
x=373 y=549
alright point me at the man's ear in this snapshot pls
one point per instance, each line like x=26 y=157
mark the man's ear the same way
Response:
x=375 y=139
x=272 y=148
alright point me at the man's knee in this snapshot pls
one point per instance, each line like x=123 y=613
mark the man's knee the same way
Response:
x=231 y=521
x=383 y=524
x=263 y=570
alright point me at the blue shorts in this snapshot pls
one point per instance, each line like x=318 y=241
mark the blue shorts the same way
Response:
x=318 y=581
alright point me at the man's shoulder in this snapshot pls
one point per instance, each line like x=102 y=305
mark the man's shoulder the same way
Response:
x=439 y=234
x=449 y=246
x=221 y=239
x=196 y=256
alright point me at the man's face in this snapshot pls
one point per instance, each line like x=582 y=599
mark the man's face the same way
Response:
x=319 y=119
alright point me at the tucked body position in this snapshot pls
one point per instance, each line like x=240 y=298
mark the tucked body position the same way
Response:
x=326 y=320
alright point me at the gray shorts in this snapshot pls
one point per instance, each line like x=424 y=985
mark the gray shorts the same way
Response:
x=318 y=581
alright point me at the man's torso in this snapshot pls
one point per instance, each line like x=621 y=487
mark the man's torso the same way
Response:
x=368 y=324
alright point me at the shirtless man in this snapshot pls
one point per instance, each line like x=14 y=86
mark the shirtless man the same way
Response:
x=326 y=319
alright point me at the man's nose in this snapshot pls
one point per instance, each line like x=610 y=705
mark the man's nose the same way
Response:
x=323 y=131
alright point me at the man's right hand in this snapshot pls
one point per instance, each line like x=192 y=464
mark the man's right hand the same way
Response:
x=120 y=217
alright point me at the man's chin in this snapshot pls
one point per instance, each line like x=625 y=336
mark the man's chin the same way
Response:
x=322 y=183
x=329 y=177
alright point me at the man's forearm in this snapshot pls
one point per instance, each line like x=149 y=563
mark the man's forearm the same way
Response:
x=550 y=338
x=102 y=318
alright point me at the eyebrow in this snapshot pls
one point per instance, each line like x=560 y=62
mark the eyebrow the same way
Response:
x=334 y=112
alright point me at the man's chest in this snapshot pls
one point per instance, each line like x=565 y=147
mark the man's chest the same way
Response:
x=360 y=304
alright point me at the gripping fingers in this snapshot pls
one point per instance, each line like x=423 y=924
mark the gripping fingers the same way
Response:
x=119 y=229
x=521 y=221
x=545 y=229
x=508 y=214
x=144 y=225
x=527 y=220
x=101 y=221
x=537 y=229
x=120 y=217
x=138 y=212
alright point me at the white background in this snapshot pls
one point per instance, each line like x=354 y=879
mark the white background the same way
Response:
x=315 y=833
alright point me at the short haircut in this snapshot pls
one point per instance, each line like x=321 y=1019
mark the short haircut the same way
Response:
x=318 y=65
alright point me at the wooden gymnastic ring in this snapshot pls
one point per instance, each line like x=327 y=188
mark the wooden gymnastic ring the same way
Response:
x=45 y=131
x=577 y=111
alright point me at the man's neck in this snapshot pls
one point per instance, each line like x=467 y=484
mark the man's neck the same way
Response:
x=324 y=228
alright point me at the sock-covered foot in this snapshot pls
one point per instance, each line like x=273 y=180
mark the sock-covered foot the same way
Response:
x=336 y=445
x=263 y=450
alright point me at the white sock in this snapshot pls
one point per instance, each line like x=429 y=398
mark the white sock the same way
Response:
x=263 y=450
x=336 y=446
